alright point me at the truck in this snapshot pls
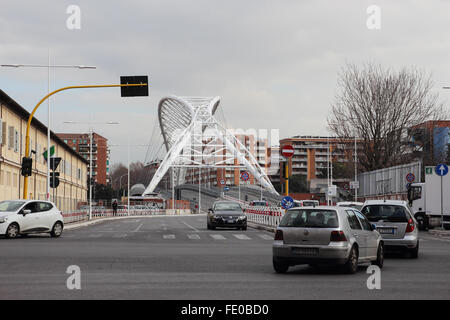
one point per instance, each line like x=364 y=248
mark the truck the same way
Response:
x=430 y=201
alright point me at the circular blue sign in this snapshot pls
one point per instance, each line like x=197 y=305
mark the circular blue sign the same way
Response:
x=441 y=169
x=226 y=188
x=287 y=202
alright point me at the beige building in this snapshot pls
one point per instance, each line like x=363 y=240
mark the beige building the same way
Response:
x=72 y=189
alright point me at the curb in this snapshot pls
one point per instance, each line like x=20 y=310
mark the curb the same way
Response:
x=261 y=227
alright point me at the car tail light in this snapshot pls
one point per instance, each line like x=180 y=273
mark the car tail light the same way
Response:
x=279 y=235
x=337 y=236
x=410 y=226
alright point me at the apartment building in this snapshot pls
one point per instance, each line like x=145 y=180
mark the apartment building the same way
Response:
x=72 y=189
x=311 y=154
x=80 y=142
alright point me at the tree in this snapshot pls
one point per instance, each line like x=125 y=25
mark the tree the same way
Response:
x=379 y=106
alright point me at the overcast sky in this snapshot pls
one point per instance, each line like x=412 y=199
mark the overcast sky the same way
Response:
x=274 y=63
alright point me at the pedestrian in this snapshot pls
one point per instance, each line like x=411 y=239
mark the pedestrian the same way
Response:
x=114 y=206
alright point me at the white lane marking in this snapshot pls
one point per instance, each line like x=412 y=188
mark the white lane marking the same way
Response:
x=120 y=235
x=137 y=229
x=169 y=236
x=241 y=236
x=265 y=236
x=188 y=225
x=96 y=235
x=193 y=236
x=217 y=236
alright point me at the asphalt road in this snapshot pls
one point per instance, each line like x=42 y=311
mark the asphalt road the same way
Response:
x=176 y=257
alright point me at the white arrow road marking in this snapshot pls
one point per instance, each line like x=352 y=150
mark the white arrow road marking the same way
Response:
x=193 y=236
x=169 y=236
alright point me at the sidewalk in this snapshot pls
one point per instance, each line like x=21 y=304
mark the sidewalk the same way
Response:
x=440 y=233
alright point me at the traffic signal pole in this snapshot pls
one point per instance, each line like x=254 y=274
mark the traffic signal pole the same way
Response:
x=30 y=118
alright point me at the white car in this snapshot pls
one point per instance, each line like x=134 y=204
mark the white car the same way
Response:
x=22 y=217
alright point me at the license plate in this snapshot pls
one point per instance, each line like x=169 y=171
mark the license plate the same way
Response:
x=386 y=230
x=305 y=251
x=230 y=221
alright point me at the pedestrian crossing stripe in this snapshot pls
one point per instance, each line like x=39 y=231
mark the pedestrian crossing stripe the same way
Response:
x=193 y=236
x=241 y=236
x=218 y=236
x=169 y=236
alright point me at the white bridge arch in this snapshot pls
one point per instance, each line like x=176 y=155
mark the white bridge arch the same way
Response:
x=195 y=139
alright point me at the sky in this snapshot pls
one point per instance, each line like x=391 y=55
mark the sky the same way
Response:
x=274 y=64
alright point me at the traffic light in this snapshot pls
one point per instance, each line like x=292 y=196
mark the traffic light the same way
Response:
x=135 y=91
x=54 y=180
x=27 y=166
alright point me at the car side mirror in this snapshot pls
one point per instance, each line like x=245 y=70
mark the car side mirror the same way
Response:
x=210 y=210
x=26 y=211
x=374 y=227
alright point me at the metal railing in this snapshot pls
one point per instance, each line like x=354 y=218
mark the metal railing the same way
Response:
x=83 y=215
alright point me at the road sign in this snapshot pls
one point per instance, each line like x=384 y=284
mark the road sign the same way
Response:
x=287 y=202
x=245 y=176
x=429 y=170
x=441 y=169
x=332 y=190
x=54 y=162
x=52 y=152
x=222 y=182
x=354 y=184
x=226 y=188
x=410 y=177
x=287 y=151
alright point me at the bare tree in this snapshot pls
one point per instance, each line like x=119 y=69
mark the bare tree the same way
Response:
x=379 y=106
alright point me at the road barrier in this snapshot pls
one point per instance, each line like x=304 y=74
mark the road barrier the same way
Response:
x=267 y=216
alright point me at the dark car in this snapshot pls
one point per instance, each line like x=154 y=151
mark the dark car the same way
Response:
x=226 y=214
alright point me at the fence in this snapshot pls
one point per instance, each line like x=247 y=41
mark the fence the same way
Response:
x=267 y=216
x=389 y=181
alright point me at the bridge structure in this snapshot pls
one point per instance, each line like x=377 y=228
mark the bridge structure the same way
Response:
x=194 y=138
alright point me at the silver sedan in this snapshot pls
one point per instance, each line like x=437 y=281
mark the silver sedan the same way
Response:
x=326 y=235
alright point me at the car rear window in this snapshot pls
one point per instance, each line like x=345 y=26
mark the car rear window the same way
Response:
x=309 y=218
x=385 y=212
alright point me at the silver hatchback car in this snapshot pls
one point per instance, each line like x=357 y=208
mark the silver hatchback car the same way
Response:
x=396 y=224
x=326 y=235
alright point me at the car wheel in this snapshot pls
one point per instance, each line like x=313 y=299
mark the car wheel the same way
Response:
x=280 y=267
x=380 y=257
x=12 y=231
x=57 y=230
x=351 y=266
x=422 y=223
x=414 y=253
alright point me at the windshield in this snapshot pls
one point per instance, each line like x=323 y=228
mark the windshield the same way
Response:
x=309 y=203
x=351 y=205
x=309 y=218
x=10 y=206
x=227 y=206
x=391 y=213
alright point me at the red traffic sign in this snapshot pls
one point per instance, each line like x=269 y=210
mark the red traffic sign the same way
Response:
x=287 y=151
x=245 y=176
x=410 y=177
x=222 y=182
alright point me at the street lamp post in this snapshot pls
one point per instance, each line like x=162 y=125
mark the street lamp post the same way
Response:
x=48 y=66
x=91 y=133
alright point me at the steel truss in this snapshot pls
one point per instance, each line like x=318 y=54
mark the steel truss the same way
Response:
x=195 y=139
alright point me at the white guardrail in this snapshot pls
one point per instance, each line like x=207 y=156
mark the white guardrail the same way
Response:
x=78 y=216
x=267 y=216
